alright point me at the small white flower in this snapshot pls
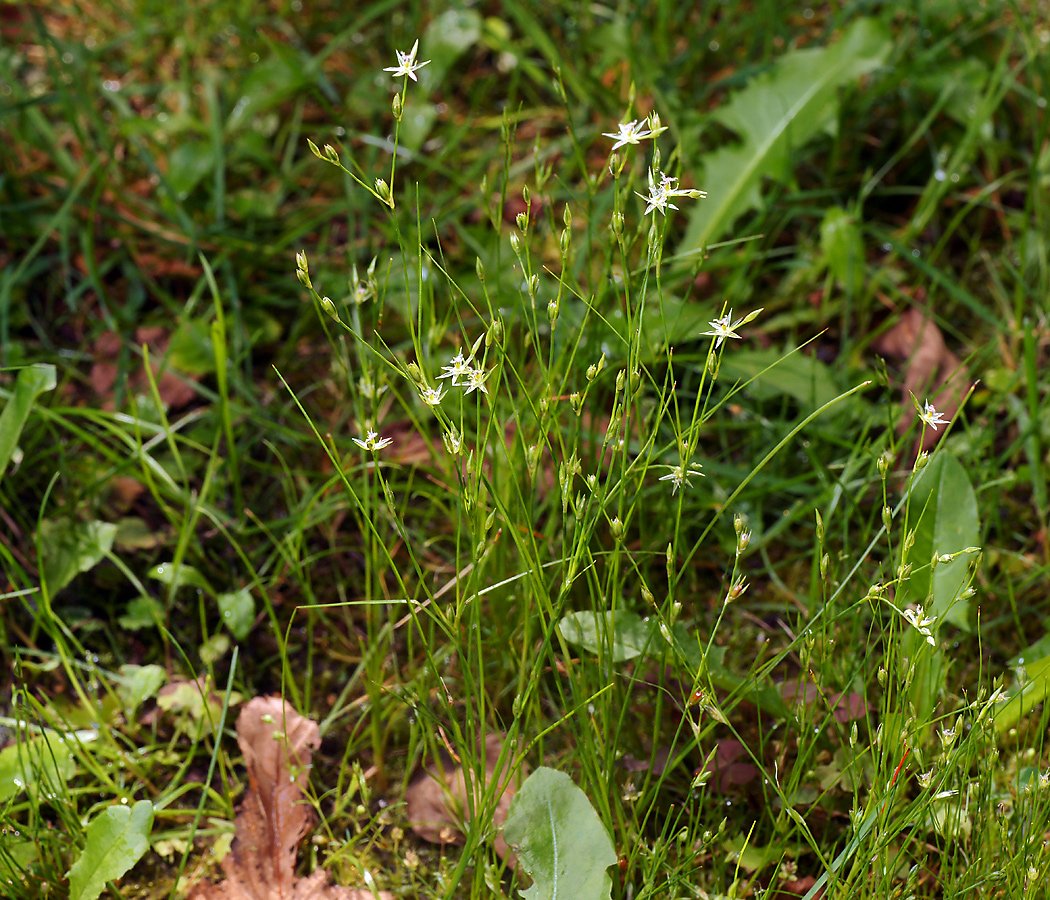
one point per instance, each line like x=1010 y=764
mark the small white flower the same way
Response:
x=372 y=442
x=476 y=380
x=918 y=618
x=457 y=368
x=925 y=778
x=662 y=190
x=629 y=133
x=931 y=417
x=431 y=396
x=722 y=328
x=453 y=441
x=406 y=63
x=679 y=475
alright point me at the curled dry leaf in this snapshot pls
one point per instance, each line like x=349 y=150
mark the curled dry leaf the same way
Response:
x=933 y=370
x=278 y=746
x=437 y=798
x=847 y=707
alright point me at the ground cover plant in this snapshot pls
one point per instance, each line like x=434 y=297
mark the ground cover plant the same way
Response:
x=523 y=449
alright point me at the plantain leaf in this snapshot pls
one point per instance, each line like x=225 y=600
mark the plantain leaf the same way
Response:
x=629 y=634
x=943 y=513
x=116 y=839
x=559 y=839
x=778 y=112
x=32 y=381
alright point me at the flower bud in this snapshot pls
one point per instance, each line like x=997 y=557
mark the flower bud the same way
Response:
x=576 y=402
x=619 y=380
x=532 y=458
x=329 y=307
x=636 y=380
x=383 y=192
x=824 y=567
x=566 y=216
x=526 y=195
x=515 y=243
x=565 y=241
x=522 y=220
x=616 y=526
x=395 y=107
x=820 y=527
x=331 y=154
x=479 y=267
x=617 y=223
x=533 y=285
x=495 y=333
x=887 y=517
x=647 y=595
x=921 y=460
x=552 y=312
x=313 y=148
x=883 y=464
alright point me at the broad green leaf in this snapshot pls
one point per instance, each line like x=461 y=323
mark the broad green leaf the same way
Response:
x=843 y=248
x=214 y=649
x=188 y=163
x=801 y=377
x=116 y=839
x=41 y=763
x=628 y=634
x=775 y=114
x=184 y=576
x=32 y=381
x=191 y=349
x=1033 y=690
x=559 y=839
x=142 y=612
x=139 y=684
x=238 y=612
x=69 y=548
x=943 y=514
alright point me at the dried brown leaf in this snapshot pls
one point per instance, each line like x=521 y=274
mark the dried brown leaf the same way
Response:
x=933 y=370
x=437 y=798
x=278 y=746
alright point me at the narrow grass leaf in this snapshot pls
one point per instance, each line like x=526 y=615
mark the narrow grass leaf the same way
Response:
x=560 y=840
x=116 y=840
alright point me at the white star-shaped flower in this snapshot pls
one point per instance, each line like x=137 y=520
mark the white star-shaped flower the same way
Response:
x=632 y=132
x=431 y=396
x=679 y=475
x=662 y=189
x=457 y=368
x=722 y=328
x=372 y=442
x=406 y=63
x=476 y=381
x=931 y=417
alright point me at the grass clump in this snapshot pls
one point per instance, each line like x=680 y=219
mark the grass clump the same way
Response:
x=522 y=469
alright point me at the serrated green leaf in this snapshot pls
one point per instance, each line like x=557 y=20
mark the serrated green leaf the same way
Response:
x=116 y=839
x=238 y=612
x=778 y=112
x=69 y=548
x=843 y=248
x=139 y=684
x=142 y=612
x=627 y=633
x=559 y=839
